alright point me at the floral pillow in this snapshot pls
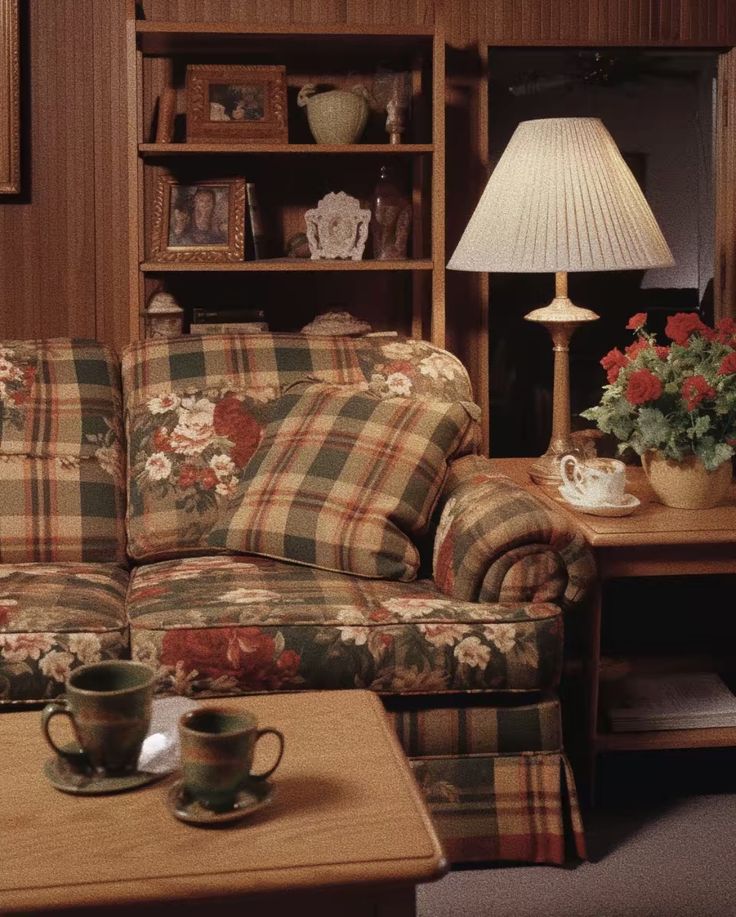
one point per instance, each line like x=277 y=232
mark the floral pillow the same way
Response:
x=346 y=481
x=187 y=452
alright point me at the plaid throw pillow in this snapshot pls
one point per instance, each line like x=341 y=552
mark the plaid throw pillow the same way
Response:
x=343 y=480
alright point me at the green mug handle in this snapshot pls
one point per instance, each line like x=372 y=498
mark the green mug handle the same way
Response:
x=76 y=758
x=280 y=737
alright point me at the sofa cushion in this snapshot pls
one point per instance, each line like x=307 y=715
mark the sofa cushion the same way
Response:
x=228 y=625
x=62 y=481
x=344 y=481
x=194 y=414
x=187 y=453
x=53 y=618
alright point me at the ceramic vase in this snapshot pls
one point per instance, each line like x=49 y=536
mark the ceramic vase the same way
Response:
x=686 y=484
x=337 y=116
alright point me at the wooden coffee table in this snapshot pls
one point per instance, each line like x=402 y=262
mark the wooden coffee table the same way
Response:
x=655 y=540
x=347 y=832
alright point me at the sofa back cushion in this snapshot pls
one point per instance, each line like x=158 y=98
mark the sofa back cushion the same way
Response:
x=196 y=406
x=346 y=481
x=62 y=478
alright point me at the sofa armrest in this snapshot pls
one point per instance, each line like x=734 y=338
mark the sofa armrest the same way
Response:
x=496 y=542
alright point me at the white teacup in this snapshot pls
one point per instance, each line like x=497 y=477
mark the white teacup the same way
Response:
x=595 y=481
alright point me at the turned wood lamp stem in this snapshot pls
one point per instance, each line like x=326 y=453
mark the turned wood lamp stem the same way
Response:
x=561 y=318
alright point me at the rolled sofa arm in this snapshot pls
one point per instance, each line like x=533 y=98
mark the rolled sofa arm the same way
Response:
x=496 y=542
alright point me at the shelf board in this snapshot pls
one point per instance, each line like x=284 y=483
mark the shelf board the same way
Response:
x=287 y=264
x=160 y=37
x=188 y=149
x=708 y=737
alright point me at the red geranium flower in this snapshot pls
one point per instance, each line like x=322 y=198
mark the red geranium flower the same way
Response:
x=680 y=326
x=694 y=390
x=662 y=352
x=636 y=348
x=728 y=364
x=636 y=321
x=613 y=362
x=643 y=386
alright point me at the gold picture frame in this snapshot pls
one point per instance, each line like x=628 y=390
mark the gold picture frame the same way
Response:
x=234 y=103
x=199 y=221
x=9 y=98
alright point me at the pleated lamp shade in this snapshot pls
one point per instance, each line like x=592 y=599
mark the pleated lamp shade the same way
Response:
x=561 y=199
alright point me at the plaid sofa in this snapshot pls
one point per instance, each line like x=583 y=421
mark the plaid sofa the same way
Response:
x=115 y=481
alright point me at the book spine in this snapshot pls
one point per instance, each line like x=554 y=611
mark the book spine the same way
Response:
x=256 y=224
x=166 y=112
x=227 y=327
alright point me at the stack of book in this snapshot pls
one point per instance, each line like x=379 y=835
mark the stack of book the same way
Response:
x=685 y=700
x=227 y=321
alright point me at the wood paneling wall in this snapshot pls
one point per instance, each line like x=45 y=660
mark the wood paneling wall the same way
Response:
x=63 y=245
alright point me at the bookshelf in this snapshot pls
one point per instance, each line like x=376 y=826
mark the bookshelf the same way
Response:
x=406 y=295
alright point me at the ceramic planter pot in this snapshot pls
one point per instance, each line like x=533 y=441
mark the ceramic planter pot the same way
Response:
x=687 y=484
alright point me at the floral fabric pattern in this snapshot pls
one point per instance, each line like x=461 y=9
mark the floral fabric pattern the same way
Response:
x=413 y=369
x=53 y=618
x=187 y=452
x=230 y=625
x=17 y=373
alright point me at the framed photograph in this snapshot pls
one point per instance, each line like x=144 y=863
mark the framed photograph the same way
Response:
x=199 y=221
x=9 y=98
x=235 y=103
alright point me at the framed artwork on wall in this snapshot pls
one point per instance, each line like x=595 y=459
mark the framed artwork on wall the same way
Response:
x=199 y=221
x=9 y=98
x=234 y=103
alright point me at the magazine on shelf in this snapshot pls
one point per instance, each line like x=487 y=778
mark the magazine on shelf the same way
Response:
x=683 y=700
x=227 y=327
x=225 y=315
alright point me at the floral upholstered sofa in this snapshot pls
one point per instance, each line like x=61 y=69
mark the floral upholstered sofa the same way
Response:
x=288 y=512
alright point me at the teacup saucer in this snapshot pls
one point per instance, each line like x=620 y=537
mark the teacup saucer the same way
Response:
x=250 y=799
x=624 y=508
x=70 y=780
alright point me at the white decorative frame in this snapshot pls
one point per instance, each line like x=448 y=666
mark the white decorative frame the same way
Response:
x=337 y=227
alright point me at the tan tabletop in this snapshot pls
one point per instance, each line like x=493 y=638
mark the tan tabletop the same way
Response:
x=655 y=540
x=347 y=820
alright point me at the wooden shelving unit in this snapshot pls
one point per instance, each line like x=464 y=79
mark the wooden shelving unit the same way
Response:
x=406 y=295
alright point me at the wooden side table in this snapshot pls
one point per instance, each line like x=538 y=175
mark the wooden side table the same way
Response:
x=347 y=833
x=655 y=540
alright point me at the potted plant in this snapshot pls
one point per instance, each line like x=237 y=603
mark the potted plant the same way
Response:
x=675 y=406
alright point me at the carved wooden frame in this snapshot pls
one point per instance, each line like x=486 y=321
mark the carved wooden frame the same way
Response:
x=232 y=250
x=9 y=98
x=271 y=128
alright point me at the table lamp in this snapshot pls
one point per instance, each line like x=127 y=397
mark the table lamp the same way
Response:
x=561 y=199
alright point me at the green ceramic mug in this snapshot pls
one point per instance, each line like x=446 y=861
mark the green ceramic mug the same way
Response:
x=109 y=705
x=217 y=747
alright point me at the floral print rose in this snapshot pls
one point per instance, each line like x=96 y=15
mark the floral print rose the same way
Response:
x=194 y=445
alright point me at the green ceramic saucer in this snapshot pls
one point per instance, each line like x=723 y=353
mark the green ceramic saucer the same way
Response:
x=249 y=800
x=69 y=780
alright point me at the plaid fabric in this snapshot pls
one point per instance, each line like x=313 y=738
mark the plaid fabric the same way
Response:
x=227 y=625
x=495 y=542
x=60 y=509
x=68 y=402
x=503 y=808
x=462 y=727
x=61 y=459
x=53 y=618
x=151 y=367
x=343 y=480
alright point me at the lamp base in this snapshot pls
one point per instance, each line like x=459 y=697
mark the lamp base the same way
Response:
x=546 y=469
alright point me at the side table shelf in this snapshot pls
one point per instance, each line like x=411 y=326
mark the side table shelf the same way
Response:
x=654 y=541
